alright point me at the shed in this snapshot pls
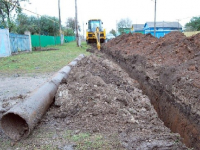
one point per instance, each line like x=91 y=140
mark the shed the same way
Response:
x=162 y=28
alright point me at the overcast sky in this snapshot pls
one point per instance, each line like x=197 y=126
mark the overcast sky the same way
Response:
x=111 y=11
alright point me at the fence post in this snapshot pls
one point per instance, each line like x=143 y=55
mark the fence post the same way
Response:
x=29 y=35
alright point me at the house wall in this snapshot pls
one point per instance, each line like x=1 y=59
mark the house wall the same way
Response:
x=142 y=32
x=160 y=32
x=128 y=30
x=124 y=30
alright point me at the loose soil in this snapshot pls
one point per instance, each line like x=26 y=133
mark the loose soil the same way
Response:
x=99 y=97
x=99 y=107
x=167 y=70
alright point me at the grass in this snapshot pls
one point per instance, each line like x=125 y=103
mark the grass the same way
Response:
x=42 y=61
x=86 y=141
x=45 y=141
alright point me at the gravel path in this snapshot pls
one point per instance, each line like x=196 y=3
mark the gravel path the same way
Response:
x=20 y=85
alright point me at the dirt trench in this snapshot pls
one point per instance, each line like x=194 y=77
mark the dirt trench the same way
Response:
x=100 y=97
x=167 y=70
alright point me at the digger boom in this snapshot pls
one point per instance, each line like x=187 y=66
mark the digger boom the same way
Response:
x=97 y=36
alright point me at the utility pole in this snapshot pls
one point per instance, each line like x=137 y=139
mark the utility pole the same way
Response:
x=178 y=23
x=76 y=24
x=116 y=28
x=83 y=30
x=155 y=20
x=39 y=25
x=59 y=22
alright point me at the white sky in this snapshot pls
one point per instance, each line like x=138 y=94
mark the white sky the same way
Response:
x=111 y=11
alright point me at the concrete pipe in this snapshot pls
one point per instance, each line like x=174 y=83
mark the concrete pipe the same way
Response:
x=19 y=121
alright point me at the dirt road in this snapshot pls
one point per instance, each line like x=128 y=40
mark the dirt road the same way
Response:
x=15 y=87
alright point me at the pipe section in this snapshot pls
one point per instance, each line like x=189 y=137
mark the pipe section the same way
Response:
x=19 y=121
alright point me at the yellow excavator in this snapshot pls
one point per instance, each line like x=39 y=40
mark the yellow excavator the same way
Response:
x=95 y=32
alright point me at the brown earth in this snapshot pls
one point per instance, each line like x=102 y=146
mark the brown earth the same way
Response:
x=168 y=72
x=99 y=97
x=99 y=107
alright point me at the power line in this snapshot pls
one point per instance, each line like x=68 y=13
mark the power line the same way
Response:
x=30 y=11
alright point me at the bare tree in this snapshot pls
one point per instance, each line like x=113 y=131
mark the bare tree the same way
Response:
x=124 y=23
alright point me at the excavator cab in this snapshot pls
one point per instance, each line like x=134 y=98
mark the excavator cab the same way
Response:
x=91 y=35
x=93 y=24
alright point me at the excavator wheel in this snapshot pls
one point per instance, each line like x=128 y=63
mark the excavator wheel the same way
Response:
x=102 y=41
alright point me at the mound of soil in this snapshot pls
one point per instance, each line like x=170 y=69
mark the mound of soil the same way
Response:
x=168 y=72
x=172 y=49
x=100 y=97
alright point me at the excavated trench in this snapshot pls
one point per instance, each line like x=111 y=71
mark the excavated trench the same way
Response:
x=180 y=117
x=174 y=116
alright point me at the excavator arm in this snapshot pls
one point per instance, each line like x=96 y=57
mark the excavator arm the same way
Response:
x=97 y=36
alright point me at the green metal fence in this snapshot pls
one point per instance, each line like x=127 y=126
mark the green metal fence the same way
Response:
x=43 y=41
x=69 y=38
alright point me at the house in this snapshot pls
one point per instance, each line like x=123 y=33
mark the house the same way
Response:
x=138 y=28
x=124 y=30
x=162 y=28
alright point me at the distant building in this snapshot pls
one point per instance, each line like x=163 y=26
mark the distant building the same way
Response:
x=138 y=28
x=124 y=30
x=162 y=28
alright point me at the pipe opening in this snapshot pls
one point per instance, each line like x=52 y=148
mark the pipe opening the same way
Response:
x=14 y=126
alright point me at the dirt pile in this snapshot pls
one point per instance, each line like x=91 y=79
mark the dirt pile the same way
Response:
x=172 y=49
x=99 y=97
x=168 y=72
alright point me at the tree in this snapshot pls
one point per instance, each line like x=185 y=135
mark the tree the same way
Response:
x=113 y=32
x=124 y=23
x=25 y=23
x=68 y=31
x=44 y=25
x=48 y=27
x=193 y=25
x=5 y=12
x=70 y=23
